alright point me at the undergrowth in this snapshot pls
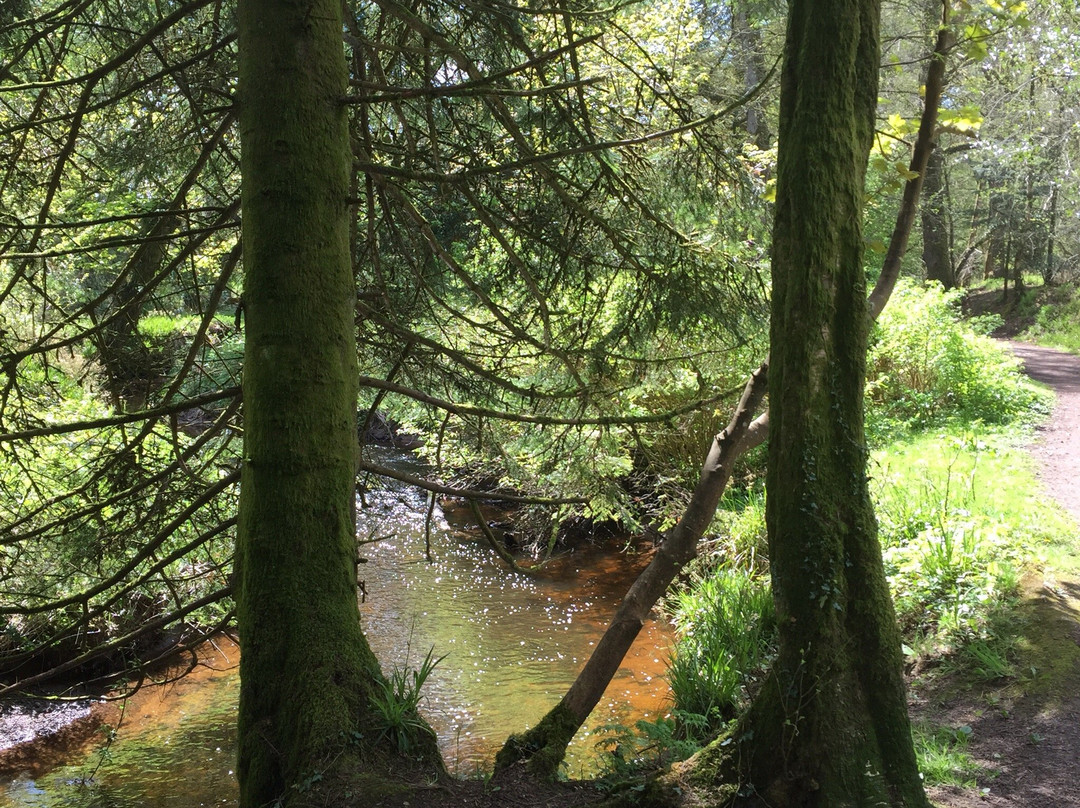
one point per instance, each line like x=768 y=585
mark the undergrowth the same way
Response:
x=1057 y=323
x=926 y=366
x=725 y=621
x=960 y=517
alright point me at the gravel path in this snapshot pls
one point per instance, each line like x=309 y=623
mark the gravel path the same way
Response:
x=1057 y=448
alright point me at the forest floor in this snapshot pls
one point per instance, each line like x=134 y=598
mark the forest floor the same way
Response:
x=1024 y=729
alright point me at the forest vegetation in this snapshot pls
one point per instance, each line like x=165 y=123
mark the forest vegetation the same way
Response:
x=559 y=252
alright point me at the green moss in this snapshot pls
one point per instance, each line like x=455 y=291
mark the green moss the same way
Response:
x=307 y=673
x=1049 y=657
x=1057 y=323
x=543 y=747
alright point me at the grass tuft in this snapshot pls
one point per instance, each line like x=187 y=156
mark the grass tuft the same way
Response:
x=725 y=621
x=943 y=756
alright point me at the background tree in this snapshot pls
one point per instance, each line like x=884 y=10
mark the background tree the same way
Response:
x=993 y=208
x=492 y=162
x=526 y=258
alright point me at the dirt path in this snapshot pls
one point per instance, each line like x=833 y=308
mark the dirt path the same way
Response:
x=1029 y=730
x=1058 y=445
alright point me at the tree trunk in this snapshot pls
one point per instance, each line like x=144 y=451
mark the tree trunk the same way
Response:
x=749 y=41
x=1048 y=267
x=306 y=670
x=936 y=253
x=830 y=725
x=1006 y=270
x=920 y=157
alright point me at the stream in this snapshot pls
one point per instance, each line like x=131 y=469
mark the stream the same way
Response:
x=512 y=645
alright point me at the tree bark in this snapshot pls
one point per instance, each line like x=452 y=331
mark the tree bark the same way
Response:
x=829 y=726
x=1048 y=267
x=306 y=670
x=749 y=41
x=936 y=257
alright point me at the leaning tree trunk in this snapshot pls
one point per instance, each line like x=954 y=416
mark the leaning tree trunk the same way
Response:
x=306 y=670
x=829 y=726
x=544 y=746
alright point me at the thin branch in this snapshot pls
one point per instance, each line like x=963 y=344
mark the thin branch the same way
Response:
x=519 y=417
x=126 y=418
x=463 y=493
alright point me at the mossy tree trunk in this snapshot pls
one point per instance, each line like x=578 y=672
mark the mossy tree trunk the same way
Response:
x=830 y=725
x=306 y=670
x=937 y=257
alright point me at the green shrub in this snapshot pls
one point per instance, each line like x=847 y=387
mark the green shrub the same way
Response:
x=648 y=745
x=217 y=362
x=926 y=365
x=1058 y=322
x=725 y=624
x=737 y=537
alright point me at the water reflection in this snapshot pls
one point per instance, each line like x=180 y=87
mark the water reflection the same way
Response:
x=175 y=748
x=513 y=644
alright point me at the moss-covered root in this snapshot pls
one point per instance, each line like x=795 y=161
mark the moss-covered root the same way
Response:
x=709 y=779
x=543 y=747
x=771 y=758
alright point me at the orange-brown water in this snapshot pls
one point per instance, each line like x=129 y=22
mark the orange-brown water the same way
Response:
x=512 y=643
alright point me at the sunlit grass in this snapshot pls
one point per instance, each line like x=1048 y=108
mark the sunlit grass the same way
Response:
x=962 y=517
x=726 y=624
x=943 y=756
x=969 y=478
